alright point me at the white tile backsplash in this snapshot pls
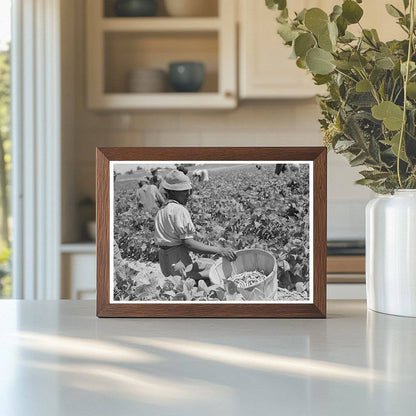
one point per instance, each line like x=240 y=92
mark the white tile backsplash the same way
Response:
x=258 y=123
x=346 y=219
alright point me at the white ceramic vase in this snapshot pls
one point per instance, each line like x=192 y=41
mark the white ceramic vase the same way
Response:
x=391 y=253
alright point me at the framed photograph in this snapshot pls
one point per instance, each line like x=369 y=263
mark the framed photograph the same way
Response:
x=211 y=232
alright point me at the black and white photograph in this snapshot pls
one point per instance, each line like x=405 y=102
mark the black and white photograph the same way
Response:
x=211 y=231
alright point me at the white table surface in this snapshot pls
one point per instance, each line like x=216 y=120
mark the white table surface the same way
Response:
x=57 y=358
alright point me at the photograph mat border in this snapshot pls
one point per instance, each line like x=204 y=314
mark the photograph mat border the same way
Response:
x=237 y=162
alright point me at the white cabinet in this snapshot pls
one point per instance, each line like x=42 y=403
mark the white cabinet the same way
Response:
x=78 y=263
x=116 y=46
x=265 y=70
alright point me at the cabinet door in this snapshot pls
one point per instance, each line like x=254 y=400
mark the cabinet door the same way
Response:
x=265 y=68
x=78 y=276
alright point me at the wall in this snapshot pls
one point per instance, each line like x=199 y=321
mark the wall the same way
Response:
x=265 y=123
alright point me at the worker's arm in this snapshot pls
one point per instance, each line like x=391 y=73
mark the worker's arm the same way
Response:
x=159 y=197
x=202 y=248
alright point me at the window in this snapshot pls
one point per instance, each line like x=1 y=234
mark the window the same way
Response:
x=5 y=144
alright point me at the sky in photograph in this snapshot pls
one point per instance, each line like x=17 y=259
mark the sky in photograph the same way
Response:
x=123 y=168
x=5 y=20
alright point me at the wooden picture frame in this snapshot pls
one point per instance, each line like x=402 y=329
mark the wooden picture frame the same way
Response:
x=315 y=308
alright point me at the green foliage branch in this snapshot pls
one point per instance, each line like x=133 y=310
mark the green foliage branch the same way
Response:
x=369 y=112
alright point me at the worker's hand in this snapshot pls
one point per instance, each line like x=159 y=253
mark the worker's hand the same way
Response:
x=228 y=253
x=178 y=269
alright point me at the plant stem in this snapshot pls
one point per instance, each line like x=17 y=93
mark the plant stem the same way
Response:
x=345 y=75
x=406 y=80
x=373 y=89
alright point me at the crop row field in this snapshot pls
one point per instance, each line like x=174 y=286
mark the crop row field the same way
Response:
x=241 y=207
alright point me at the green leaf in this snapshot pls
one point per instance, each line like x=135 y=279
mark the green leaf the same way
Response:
x=286 y=32
x=301 y=15
x=341 y=64
x=354 y=131
x=347 y=37
x=394 y=145
x=301 y=63
x=374 y=150
x=377 y=75
x=374 y=175
x=303 y=43
x=276 y=4
x=316 y=20
x=396 y=71
x=351 y=11
x=343 y=145
x=411 y=90
x=333 y=32
x=364 y=181
x=319 y=61
x=324 y=42
x=390 y=113
x=358 y=160
x=385 y=63
x=336 y=12
x=361 y=99
x=406 y=4
x=363 y=86
x=412 y=67
x=368 y=36
x=375 y=35
x=358 y=61
x=382 y=88
x=342 y=25
x=393 y=11
x=284 y=14
x=321 y=79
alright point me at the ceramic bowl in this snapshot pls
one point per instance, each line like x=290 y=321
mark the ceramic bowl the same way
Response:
x=186 y=76
x=147 y=80
x=135 y=8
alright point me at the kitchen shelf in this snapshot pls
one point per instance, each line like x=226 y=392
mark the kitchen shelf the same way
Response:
x=166 y=101
x=159 y=24
x=127 y=51
x=210 y=9
x=116 y=46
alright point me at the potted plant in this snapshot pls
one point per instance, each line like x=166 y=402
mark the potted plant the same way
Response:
x=368 y=115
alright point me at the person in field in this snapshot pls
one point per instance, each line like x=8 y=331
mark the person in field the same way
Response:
x=280 y=168
x=155 y=179
x=149 y=197
x=202 y=175
x=175 y=231
x=183 y=169
x=283 y=167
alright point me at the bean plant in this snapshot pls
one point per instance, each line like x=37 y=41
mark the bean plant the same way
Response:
x=369 y=111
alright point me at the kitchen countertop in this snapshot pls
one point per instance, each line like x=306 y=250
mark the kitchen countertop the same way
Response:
x=57 y=358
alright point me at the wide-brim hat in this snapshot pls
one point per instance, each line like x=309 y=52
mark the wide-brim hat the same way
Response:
x=176 y=181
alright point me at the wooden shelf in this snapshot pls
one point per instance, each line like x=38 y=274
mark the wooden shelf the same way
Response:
x=128 y=101
x=159 y=24
x=346 y=264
